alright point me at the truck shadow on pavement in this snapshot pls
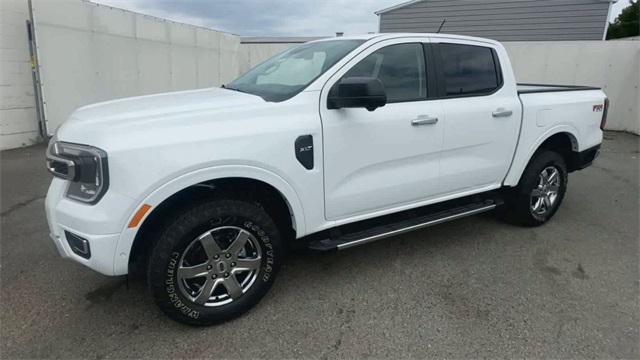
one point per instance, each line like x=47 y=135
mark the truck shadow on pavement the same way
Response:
x=304 y=270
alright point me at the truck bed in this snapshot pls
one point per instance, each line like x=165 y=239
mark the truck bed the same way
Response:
x=542 y=88
x=573 y=110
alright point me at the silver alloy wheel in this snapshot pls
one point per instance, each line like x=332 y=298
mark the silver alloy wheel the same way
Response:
x=545 y=194
x=211 y=275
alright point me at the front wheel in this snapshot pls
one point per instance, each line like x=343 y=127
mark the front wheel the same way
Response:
x=540 y=191
x=214 y=262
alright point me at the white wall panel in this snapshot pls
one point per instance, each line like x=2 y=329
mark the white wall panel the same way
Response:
x=229 y=55
x=71 y=14
x=155 y=75
x=67 y=71
x=182 y=34
x=612 y=65
x=90 y=53
x=107 y=20
x=115 y=74
x=149 y=28
x=207 y=65
x=184 y=66
x=18 y=122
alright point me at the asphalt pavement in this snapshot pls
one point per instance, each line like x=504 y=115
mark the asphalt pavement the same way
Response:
x=474 y=288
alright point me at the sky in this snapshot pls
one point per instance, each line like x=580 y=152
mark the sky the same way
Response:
x=275 y=17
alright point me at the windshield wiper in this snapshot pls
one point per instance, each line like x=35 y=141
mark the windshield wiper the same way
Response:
x=242 y=91
x=230 y=88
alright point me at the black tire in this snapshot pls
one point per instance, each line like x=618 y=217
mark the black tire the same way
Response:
x=519 y=203
x=186 y=237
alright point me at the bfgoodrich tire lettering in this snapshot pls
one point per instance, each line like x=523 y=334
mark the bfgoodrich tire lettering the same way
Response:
x=230 y=248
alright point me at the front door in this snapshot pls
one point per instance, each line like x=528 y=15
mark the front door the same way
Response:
x=376 y=161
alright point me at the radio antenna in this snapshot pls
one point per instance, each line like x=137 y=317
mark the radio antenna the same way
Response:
x=441 y=25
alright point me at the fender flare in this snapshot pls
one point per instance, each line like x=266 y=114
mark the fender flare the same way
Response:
x=523 y=156
x=160 y=194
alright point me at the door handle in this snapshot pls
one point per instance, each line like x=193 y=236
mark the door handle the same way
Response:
x=424 y=120
x=502 y=112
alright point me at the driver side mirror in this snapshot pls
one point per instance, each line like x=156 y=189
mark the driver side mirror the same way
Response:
x=357 y=92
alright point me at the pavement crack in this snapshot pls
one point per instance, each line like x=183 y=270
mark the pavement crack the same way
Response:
x=579 y=273
x=345 y=324
x=20 y=205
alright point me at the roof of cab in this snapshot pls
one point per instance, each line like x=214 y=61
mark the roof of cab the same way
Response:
x=386 y=36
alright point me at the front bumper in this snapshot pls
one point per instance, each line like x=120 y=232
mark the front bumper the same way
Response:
x=101 y=225
x=102 y=250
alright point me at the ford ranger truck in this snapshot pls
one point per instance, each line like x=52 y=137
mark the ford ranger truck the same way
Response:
x=328 y=145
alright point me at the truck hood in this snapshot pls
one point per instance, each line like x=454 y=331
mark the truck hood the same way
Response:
x=94 y=124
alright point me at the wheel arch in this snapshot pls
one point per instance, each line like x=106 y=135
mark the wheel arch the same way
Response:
x=243 y=181
x=563 y=139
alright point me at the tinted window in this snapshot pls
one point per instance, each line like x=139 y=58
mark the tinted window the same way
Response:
x=399 y=67
x=468 y=69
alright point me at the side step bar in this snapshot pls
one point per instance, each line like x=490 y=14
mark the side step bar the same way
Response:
x=383 y=231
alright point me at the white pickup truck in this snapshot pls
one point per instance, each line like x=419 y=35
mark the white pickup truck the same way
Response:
x=328 y=145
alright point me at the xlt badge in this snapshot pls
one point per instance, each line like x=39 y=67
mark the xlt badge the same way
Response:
x=304 y=151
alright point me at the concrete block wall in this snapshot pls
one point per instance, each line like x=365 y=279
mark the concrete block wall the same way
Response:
x=613 y=66
x=18 y=120
x=89 y=53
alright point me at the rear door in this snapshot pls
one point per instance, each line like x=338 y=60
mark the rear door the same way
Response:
x=482 y=112
x=376 y=161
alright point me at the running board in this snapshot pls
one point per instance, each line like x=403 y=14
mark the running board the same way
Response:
x=387 y=230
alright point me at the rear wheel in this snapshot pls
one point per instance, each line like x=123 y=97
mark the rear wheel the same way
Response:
x=215 y=262
x=540 y=192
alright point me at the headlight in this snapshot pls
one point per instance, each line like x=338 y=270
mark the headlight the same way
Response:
x=84 y=166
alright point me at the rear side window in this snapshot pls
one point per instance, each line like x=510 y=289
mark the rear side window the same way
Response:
x=399 y=67
x=469 y=70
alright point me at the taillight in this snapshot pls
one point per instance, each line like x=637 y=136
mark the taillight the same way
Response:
x=605 y=111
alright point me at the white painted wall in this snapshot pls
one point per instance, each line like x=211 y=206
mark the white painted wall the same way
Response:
x=612 y=65
x=18 y=123
x=89 y=53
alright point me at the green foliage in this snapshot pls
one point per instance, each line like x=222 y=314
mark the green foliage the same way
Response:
x=627 y=23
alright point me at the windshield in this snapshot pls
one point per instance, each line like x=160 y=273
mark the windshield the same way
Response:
x=288 y=73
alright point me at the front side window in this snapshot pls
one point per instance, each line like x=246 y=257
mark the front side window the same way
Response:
x=286 y=74
x=399 y=67
x=468 y=69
